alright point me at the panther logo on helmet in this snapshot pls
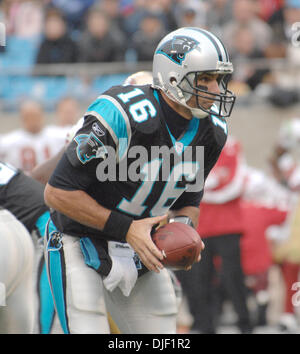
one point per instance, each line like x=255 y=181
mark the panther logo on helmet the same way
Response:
x=177 y=48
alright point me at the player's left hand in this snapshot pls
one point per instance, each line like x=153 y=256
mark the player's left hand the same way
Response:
x=139 y=238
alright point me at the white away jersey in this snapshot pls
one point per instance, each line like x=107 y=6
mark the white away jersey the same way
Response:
x=24 y=150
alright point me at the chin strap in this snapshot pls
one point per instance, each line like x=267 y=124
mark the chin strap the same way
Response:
x=196 y=112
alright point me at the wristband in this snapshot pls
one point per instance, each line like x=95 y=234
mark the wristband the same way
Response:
x=117 y=226
x=183 y=219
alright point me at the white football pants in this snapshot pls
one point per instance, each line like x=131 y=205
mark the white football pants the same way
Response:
x=16 y=276
x=82 y=302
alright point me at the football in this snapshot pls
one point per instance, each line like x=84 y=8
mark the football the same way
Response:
x=179 y=243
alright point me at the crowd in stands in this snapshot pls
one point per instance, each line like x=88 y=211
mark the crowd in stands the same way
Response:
x=95 y=31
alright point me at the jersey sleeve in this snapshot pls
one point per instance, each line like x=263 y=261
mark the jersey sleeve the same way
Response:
x=90 y=144
x=103 y=135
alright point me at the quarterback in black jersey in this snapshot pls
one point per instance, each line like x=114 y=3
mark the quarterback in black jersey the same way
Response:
x=111 y=186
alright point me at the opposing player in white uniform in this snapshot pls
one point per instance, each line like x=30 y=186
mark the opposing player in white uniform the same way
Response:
x=16 y=270
x=23 y=197
x=33 y=143
x=286 y=155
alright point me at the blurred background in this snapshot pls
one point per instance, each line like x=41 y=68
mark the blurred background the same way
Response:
x=61 y=54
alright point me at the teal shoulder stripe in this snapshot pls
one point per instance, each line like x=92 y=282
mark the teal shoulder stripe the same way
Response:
x=113 y=117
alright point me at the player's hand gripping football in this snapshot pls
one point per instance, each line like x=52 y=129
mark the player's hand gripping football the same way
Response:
x=139 y=238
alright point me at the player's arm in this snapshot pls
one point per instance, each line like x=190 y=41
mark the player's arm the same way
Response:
x=187 y=205
x=192 y=212
x=78 y=205
x=43 y=171
x=66 y=193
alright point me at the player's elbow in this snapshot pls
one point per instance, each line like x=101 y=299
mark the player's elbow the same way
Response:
x=50 y=195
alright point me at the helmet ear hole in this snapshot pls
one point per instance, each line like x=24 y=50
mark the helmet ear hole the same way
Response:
x=173 y=81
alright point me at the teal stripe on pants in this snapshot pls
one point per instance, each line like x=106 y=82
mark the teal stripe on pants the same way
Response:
x=46 y=303
x=56 y=274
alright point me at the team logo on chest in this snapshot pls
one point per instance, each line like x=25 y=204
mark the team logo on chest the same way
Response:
x=89 y=147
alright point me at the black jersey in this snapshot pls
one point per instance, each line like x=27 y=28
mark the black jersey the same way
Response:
x=126 y=158
x=21 y=195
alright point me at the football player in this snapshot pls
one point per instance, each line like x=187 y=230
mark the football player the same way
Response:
x=23 y=197
x=184 y=108
x=33 y=143
x=23 y=213
x=16 y=277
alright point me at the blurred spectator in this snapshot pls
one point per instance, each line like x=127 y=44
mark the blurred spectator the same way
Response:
x=220 y=226
x=168 y=9
x=66 y=116
x=283 y=19
x=286 y=254
x=165 y=10
x=67 y=112
x=146 y=39
x=285 y=167
x=31 y=144
x=245 y=47
x=266 y=8
x=57 y=46
x=161 y=8
x=23 y=18
x=126 y=7
x=190 y=13
x=285 y=44
x=112 y=9
x=132 y=18
x=268 y=204
x=73 y=11
x=244 y=14
x=286 y=242
x=218 y=14
x=282 y=25
x=97 y=44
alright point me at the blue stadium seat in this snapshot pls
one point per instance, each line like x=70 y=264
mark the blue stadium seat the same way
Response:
x=19 y=53
x=103 y=83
